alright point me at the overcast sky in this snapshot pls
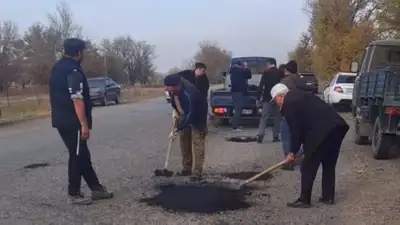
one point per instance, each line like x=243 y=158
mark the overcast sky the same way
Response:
x=247 y=28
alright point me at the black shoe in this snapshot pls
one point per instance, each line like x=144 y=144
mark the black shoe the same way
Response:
x=196 y=176
x=184 y=173
x=276 y=139
x=101 y=193
x=298 y=204
x=79 y=199
x=326 y=201
x=260 y=138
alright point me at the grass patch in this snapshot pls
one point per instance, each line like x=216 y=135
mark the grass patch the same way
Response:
x=31 y=108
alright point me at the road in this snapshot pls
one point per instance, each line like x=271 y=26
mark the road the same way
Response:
x=129 y=141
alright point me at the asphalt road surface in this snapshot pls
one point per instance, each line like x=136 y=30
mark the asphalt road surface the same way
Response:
x=129 y=141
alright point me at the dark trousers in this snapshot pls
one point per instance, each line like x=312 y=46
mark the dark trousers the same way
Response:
x=269 y=110
x=326 y=154
x=79 y=163
x=237 y=98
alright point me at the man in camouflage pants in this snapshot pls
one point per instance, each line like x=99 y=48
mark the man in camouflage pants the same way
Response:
x=190 y=116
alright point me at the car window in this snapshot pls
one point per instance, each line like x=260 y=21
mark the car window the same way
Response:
x=345 y=79
x=96 y=83
x=109 y=82
x=309 y=77
x=332 y=81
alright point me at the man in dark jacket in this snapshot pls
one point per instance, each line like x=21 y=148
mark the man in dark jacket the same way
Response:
x=239 y=75
x=191 y=122
x=71 y=114
x=270 y=77
x=293 y=81
x=198 y=77
x=321 y=130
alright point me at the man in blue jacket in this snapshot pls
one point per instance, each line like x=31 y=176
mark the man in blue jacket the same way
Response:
x=190 y=124
x=240 y=75
x=71 y=114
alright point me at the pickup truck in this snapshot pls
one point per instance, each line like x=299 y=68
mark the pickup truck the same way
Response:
x=376 y=97
x=221 y=102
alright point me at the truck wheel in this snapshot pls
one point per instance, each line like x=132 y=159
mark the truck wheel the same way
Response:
x=359 y=140
x=381 y=143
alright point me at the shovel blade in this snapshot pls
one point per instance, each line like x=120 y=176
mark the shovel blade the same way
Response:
x=163 y=173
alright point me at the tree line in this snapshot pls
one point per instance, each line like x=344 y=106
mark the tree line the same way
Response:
x=26 y=57
x=339 y=31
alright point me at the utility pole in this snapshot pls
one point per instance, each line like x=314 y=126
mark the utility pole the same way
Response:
x=105 y=64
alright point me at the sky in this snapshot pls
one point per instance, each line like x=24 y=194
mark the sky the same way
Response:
x=268 y=28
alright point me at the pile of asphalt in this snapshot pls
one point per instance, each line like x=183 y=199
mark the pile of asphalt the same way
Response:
x=207 y=198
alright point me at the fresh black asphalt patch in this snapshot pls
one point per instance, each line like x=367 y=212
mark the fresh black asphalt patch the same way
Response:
x=246 y=175
x=242 y=139
x=198 y=198
x=36 y=165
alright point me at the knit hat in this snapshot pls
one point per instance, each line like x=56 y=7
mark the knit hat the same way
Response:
x=291 y=66
x=172 y=80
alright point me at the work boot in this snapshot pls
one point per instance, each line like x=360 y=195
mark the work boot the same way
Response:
x=79 y=199
x=197 y=176
x=298 y=204
x=101 y=192
x=326 y=201
x=276 y=139
x=184 y=173
x=260 y=138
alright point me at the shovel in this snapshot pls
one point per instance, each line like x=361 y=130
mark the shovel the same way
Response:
x=255 y=177
x=165 y=172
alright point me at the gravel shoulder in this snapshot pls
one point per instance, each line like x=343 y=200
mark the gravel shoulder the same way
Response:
x=129 y=142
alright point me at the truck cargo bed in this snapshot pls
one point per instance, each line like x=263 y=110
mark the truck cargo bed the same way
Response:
x=381 y=86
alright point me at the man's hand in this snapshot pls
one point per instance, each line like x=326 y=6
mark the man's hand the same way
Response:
x=290 y=158
x=85 y=132
x=258 y=103
x=173 y=134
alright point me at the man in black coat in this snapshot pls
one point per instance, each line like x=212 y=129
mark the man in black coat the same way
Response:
x=239 y=76
x=197 y=77
x=71 y=114
x=270 y=77
x=321 y=130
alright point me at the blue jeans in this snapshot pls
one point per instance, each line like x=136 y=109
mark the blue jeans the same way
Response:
x=285 y=137
x=237 y=98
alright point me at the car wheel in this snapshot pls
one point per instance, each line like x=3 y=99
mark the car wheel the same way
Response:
x=359 y=140
x=381 y=143
x=117 y=98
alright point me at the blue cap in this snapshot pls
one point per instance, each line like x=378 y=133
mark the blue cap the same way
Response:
x=172 y=80
x=73 y=46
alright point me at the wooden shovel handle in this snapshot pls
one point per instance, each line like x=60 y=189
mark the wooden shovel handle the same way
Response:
x=270 y=169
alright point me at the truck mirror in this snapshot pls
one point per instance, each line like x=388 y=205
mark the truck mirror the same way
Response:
x=224 y=74
x=354 y=67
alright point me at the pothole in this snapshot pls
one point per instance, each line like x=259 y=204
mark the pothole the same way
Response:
x=197 y=198
x=36 y=165
x=242 y=139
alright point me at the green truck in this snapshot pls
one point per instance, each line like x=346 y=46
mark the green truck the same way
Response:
x=376 y=97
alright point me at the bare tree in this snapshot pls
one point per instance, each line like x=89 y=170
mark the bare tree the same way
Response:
x=94 y=62
x=215 y=57
x=39 y=54
x=174 y=70
x=9 y=52
x=62 y=27
x=136 y=57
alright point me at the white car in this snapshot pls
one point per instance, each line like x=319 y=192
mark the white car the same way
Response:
x=339 y=92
